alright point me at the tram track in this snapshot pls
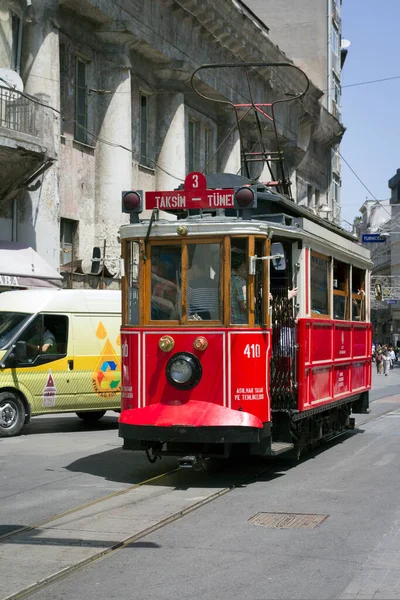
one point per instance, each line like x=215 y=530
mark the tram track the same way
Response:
x=17 y=537
x=126 y=541
x=77 y=509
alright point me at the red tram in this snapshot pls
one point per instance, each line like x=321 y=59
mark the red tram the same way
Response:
x=245 y=322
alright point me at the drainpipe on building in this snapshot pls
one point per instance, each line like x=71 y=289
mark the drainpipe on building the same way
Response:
x=14 y=220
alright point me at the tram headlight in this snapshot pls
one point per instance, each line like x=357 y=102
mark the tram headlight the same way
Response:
x=183 y=370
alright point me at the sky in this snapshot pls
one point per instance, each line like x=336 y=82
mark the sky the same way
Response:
x=370 y=113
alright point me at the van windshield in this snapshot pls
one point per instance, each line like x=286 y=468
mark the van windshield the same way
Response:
x=10 y=324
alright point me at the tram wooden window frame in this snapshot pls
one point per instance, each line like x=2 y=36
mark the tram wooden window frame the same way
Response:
x=183 y=244
x=144 y=279
x=328 y=259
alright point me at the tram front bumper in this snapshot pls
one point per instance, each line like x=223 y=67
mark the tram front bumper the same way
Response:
x=192 y=422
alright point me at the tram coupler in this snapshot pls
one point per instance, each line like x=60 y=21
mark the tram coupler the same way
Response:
x=196 y=462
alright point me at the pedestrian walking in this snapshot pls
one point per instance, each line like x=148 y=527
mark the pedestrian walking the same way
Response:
x=386 y=362
x=379 y=360
x=392 y=355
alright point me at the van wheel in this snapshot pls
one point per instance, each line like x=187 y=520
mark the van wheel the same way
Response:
x=12 y=414
x=91 y=416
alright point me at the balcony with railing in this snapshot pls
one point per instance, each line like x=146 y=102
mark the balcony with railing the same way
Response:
x=18 y=113
x=26 y=140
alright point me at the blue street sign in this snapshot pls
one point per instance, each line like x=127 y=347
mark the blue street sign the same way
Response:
x=373 y=237
x=391 y=301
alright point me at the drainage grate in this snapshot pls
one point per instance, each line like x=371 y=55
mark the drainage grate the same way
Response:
x=287 y=520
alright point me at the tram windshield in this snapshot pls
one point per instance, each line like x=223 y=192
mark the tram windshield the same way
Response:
x=195 y=280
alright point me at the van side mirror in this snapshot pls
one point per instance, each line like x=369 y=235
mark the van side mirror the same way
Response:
x=279 y=257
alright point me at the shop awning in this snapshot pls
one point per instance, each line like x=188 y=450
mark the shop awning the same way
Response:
x=22 y=267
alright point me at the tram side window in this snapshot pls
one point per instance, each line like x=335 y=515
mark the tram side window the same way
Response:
x=133 y=284
x=320 y=266
x=340 y=290
x=203 y=290
x=166 y=274
x=358 y=294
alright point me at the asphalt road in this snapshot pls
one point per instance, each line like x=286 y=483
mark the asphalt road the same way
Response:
x=59 y=463
x=216 y=552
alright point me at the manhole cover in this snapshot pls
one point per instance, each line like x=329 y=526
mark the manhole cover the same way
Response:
x=287 y=520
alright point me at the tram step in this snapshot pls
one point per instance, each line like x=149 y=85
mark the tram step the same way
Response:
x=280 y=448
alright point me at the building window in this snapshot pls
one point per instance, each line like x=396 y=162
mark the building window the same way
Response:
x=336 y=91
x=144 y=129
x=80 y=101
x=335 y=41
x=335 y=160
x=194 y=146
x=336 y=187
x=316 y=198
x=16 y=25
x=68 y=229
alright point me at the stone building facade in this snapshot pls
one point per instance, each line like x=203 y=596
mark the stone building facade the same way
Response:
x=110 y=83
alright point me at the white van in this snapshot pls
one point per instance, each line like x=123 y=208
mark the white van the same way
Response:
x=59 y=352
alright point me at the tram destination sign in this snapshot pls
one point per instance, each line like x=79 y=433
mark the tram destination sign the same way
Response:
x=194 y=195
x=373 y=237
x=190 y=199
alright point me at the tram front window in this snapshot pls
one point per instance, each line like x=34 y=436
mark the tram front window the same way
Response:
x=166 y=272
x=203 y=299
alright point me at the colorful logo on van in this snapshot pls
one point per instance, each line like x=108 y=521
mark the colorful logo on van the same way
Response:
x=106 y=377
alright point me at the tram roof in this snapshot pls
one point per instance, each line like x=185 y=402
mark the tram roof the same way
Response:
x=319 y=237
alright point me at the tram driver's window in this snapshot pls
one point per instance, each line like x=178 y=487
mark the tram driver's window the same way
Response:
x=358 y=294
x=165 y=283
x=340 y=290
x=320 y=285
x=203 y=290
